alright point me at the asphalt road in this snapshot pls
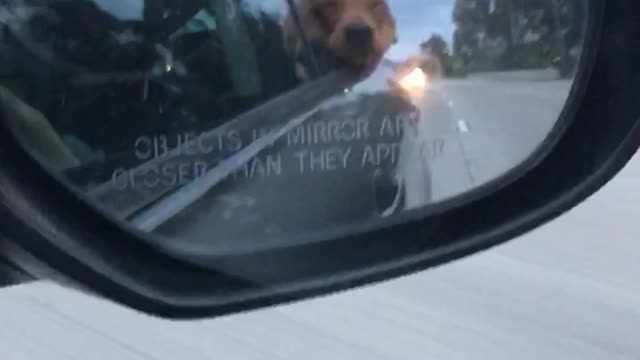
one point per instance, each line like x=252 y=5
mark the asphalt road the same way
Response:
x=489 y=128
x=568 y=290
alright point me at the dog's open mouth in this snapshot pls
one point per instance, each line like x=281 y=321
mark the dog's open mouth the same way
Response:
x=321 y=58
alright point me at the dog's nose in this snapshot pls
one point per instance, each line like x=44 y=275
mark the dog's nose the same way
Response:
x=358 y=34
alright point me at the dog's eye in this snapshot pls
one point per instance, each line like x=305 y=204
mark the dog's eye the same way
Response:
x=327 y=10
x=380 y=11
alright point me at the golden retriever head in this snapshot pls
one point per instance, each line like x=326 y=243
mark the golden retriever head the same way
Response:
x=356 y=32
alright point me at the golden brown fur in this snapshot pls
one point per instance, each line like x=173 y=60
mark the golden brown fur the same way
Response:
x=327 y=21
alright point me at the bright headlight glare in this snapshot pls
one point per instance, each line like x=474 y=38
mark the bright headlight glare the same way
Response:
x=416 y=79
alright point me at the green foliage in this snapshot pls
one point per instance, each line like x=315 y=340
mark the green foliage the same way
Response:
x=514 y=34
x=438 y=47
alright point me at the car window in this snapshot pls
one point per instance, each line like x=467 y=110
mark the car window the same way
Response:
x=211 y=70
x=212 y=62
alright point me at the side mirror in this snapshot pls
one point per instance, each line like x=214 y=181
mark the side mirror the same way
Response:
x=179 y=196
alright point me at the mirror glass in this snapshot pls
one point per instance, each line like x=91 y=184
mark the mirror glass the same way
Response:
x=235 y=125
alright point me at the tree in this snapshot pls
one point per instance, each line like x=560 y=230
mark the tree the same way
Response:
x=436 y=46
x=470 y=18
x=570 y=17
x=499 y=21
x=471 y=12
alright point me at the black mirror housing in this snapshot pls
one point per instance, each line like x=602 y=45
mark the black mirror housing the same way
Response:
x=596 y=136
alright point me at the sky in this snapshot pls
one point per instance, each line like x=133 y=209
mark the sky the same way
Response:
x=416 y=20
x=122 y=9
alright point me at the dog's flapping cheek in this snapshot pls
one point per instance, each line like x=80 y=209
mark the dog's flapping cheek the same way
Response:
x=385 y=35
x=315 y=30
x=317 y=19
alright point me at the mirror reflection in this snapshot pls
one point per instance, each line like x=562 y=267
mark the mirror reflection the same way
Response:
x=230 y=125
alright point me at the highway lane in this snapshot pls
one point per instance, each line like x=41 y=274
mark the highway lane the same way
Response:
x=492 y=126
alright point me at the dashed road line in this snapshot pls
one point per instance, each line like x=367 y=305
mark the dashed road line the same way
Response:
x=462 y=126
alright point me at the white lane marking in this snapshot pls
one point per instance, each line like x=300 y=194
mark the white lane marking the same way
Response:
x=462 y=126
x=450 y=103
